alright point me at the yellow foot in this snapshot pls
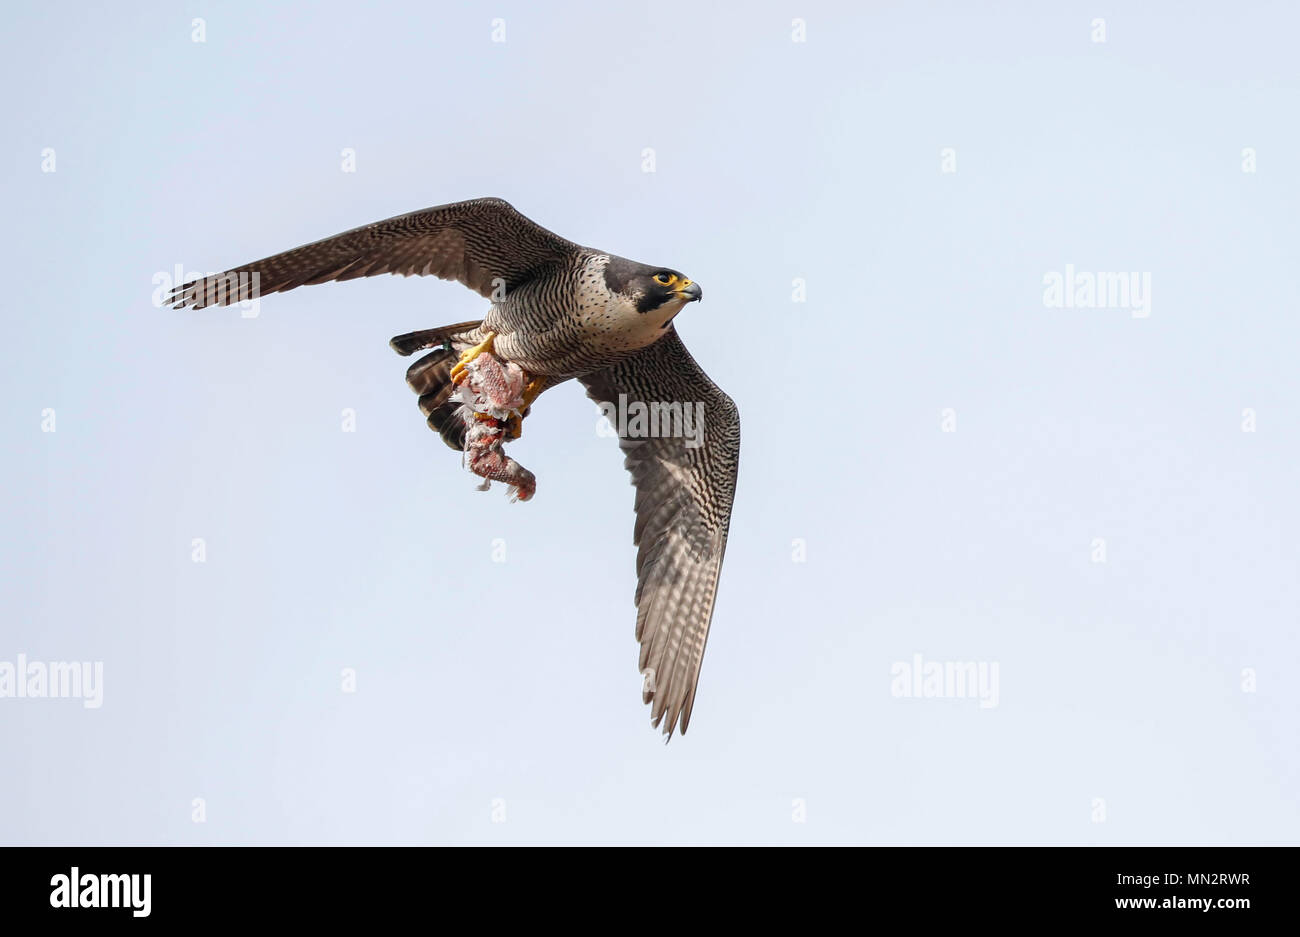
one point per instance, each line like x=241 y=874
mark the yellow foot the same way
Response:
x=468 y=355
x=515 y=426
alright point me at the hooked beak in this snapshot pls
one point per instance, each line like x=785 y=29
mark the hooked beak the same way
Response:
x=690 y=291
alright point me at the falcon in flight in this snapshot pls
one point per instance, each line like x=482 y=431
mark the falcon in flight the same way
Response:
x=559 y=311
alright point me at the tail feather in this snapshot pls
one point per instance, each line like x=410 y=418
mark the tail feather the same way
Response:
x=430 y=377
x=412 y=342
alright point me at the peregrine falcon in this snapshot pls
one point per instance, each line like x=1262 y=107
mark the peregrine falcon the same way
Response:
x=558 y=311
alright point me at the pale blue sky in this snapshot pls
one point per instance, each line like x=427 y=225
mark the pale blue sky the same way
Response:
x=775 y=160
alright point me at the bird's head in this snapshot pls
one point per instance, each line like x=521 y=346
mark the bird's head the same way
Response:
x=651 y=289
x=669 y=286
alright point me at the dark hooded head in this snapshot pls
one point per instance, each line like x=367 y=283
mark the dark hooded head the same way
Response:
x=648 y=287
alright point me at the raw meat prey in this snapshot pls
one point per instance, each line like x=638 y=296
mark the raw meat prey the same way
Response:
x=492 y=392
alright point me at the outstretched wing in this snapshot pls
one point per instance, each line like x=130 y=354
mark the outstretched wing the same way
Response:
x=685 y=479
x=478 y=243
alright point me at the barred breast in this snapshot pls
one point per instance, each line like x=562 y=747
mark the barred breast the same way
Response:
x=569 y=323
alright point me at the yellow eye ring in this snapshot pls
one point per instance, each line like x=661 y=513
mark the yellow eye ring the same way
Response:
x=665 y=279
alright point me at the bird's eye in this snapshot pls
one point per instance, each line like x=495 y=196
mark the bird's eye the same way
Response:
x=665 y=278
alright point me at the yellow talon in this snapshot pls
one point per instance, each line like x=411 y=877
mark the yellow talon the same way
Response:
x=535 y=387
x=516 y=423
x=468 y=355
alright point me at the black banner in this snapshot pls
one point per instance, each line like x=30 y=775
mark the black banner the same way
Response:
x=195 y=885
